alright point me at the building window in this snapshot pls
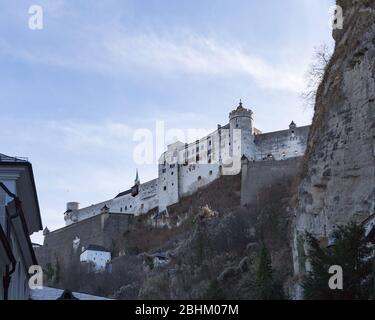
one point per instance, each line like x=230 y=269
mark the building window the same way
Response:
x=199 y=178
x=165 y=188
x=210 y=172
x=164 y=171
x=172 y=173
x=126 y=208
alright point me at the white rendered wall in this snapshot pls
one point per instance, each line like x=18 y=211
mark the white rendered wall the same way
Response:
x=282 y=145
x=98 y=258
x=195 y=176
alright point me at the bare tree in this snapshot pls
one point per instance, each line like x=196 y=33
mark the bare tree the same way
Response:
x=314 y=76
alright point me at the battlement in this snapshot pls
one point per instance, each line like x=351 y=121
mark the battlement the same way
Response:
x=241 y=112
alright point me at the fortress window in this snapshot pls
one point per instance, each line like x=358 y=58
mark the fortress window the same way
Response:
x=210 y=172
x=131 y=206
x=165 y=188
x=126 y=208
x=121 y=209
x=199 y=178
x=172 y=173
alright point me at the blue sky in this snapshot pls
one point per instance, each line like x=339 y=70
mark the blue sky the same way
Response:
x=73 y=93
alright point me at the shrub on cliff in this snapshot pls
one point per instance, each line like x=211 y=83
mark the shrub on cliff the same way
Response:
x=351 y=252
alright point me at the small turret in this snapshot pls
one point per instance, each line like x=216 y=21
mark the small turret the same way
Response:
x=72 y=206
x=105 y=209
x=292 y=126
x=46 y=231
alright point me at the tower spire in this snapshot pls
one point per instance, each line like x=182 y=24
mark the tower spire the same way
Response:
x=136 y=181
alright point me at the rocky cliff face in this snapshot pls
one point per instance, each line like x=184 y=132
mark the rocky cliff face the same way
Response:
x=337 y=181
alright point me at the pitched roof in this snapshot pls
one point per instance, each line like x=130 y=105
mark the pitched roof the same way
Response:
x=124 y=193
x=5 y=158
x=53 y=294
x=94 y=247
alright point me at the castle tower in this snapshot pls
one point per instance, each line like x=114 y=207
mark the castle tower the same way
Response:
x=241 y=132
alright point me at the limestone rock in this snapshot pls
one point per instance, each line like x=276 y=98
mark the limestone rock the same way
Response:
x=337 y=182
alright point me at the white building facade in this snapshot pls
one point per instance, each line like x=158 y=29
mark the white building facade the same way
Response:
x=19 y=218
x=184 y=168
x=97 y=256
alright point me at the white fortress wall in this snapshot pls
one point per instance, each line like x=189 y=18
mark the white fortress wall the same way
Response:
x=85 y=213
x=185 y=168
x=282 y=145
x=195 y=176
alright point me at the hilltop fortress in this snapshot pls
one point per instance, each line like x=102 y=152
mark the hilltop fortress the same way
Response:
x=185 y=168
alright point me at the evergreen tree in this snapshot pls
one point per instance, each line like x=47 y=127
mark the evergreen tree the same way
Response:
x=351 y=252
x=266 y=287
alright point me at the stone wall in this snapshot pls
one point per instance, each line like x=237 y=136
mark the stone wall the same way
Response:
x=256 y=176
x=98 y=230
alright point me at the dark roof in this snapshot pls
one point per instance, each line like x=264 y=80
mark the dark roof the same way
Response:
x=94 y=247
x=5 y=158
x=67 y=295
x=124 y=193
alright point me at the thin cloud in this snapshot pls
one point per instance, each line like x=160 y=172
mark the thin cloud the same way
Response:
x=198 y=55
x=114 y=51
